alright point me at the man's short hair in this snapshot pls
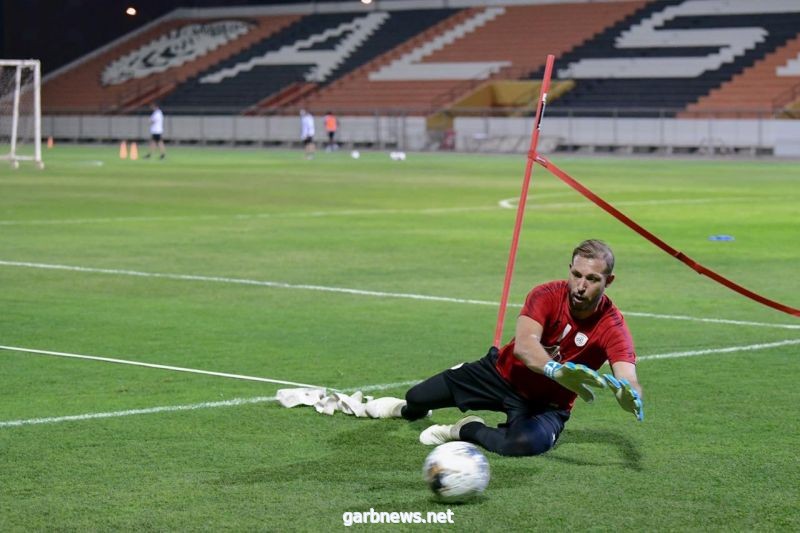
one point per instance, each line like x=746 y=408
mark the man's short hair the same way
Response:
x=595 y=249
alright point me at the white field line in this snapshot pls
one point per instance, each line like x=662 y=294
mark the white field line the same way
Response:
x=239 y=281
x=729 y=349
x=130 y=412
x=357 y=292
x=511 y=203
x=173 y=408
x=711 y=320
x=367 y=388
x=152 y=365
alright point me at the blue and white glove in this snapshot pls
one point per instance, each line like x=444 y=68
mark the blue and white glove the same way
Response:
x=577 y=378
x=627 y=397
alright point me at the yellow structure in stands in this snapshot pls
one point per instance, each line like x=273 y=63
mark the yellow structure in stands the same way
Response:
x=498 y=98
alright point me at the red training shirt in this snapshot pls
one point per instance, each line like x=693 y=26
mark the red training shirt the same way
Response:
x=591 y=341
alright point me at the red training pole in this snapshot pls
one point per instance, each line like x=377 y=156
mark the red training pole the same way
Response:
x=548 y=70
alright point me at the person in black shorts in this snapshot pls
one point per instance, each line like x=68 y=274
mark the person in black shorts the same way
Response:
x=566 y=330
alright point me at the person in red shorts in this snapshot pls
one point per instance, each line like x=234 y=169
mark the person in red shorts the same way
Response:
x=565 y=332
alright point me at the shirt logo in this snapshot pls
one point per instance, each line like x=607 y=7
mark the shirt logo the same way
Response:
x=581 y=339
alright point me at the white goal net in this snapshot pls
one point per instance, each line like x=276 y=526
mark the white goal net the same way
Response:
x=20 y=111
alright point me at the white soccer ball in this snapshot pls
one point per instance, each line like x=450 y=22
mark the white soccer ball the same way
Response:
x=456 y=472
x=355 y=154
x=397 y=156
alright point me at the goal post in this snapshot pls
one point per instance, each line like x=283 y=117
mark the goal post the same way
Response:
x=21 y=111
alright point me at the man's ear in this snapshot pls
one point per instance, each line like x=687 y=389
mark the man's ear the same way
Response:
x=609 y=279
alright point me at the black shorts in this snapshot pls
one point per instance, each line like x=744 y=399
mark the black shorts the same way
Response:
x=308 y=140
x=156 y=137
x=479 y=386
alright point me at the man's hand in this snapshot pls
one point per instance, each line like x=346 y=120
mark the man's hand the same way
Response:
x=626 y=396
x=577 y=378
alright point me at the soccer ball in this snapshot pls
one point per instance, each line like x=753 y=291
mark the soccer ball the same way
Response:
x=355 y=154
x=456 y=472
x=397 y=156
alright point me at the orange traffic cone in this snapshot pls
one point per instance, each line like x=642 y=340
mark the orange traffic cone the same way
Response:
x=123 y=150
x=50 y=142
x=134 y=152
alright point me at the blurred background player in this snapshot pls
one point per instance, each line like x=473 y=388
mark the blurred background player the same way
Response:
x=331 y=125
x=566 y=330
x=307 y=132
x=156 y=131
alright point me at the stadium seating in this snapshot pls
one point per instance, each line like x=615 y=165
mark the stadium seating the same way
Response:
x=81 y=88
x=624 y=58
x=758 y=90
x=315 y=48
x=671 y=53
x=519 y=37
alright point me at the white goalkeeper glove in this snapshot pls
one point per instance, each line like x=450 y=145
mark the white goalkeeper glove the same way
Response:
x=577 y=378
x=627 y=397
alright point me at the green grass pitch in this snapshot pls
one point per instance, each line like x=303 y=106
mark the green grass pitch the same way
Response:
x=226 y=261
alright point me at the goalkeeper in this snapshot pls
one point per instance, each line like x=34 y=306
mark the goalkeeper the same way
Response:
x=565 y=332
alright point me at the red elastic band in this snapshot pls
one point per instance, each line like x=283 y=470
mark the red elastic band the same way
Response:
x=680 y=256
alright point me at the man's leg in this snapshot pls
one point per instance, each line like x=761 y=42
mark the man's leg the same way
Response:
x=526 y=435
x=465 y=386
x=433 y=393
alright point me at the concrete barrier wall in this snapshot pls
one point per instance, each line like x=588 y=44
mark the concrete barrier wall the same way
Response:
x=779 y=136
x=489 y=134
x=406 y=133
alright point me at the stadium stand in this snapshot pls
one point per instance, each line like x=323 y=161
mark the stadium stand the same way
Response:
x=83 y=88
x=317 y=48
x=508 y=44
x=769 y=84
x=670 y=53
x=665 y=56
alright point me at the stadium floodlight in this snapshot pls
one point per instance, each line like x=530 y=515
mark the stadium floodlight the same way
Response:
x=21 y=111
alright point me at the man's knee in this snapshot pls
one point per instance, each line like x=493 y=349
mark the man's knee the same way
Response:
x=527 y=443
x=416 y=402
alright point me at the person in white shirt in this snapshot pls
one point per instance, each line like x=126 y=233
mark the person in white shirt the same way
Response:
x=307 y=132
x=156 y=131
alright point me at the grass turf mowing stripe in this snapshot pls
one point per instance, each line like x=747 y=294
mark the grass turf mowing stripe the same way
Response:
x=366 y=388
x=309 y=214
x=173 y=408
x=131 y=412
x=508 y=203
x=358 y=292
x=153 y=365
x=730 y=349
